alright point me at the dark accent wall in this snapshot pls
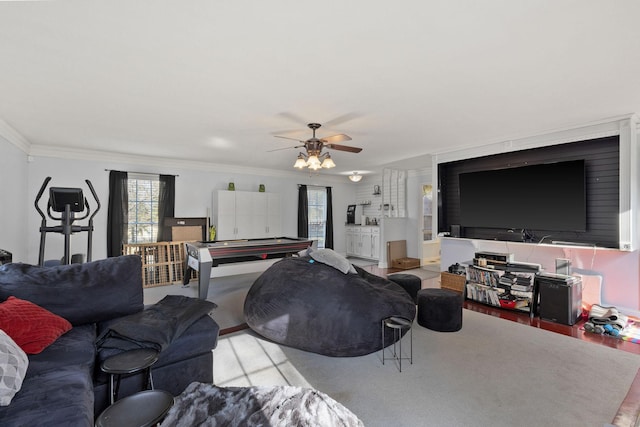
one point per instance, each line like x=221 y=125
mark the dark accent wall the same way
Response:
x=602 y=164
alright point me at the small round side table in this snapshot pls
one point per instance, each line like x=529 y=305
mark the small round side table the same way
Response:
x=126 y=363
x=143 y=409
x=398 y=325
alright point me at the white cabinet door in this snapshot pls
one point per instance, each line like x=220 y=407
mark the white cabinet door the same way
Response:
x=224 y=214
x=365 y=242
x=244 y=215
x=375 y=243
x=259 y=207
x=352 y=241
x=274 y=221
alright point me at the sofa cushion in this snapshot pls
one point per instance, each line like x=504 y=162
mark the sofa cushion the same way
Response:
x=73 y=348
x=81 y=293
x=61 y=397
x=32 y=327
x=13 y=367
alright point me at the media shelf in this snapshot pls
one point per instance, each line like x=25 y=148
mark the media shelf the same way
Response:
x=509 y=286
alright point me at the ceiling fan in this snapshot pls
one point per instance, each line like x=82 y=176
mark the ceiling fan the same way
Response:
x=314 y=158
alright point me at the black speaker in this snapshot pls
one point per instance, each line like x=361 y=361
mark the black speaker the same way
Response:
x=455 y=231
x=5 y=257
x=560 y=298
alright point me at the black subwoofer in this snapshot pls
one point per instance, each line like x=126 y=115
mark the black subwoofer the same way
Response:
x=560 y=298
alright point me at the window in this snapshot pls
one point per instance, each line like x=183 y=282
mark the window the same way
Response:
x=143 y=193
x=427 y=211
x=317 y=202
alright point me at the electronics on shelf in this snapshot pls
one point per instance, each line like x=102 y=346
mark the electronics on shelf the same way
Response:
x=495 y=257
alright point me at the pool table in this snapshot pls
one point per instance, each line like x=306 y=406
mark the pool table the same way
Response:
x=251 y=255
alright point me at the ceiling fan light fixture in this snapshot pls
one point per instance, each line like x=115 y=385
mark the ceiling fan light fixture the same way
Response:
x=314 y=158
x=300 y=162
x=328 y=162
x=313 y=162
x=355 y=177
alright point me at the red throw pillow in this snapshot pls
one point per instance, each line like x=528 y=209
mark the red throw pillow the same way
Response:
x=32 y=327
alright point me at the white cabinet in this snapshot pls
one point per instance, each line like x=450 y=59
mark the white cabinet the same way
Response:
x=266 y=215
x=375 y=242
x=224 y=214
x=365 y=245
x=363 y=241
x=246 y=214
x=352 y=237
x=274 y=222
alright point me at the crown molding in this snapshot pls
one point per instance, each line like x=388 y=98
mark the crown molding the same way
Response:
x=14 y=137
x=597 y=129
x=166 y=163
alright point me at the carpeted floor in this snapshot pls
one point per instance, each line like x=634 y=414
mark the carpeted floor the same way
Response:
x=491 y=373
x=423 y=273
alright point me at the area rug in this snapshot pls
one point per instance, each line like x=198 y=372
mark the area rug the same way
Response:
x=492 y=372
x=278 y=406
x=362 y=262
x=422 y=273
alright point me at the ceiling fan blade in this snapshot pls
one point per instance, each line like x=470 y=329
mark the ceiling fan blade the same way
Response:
x=279 y=132
x=336 y=138
x=343 y=148
x=293 y=117
x=286 y=137
x=285 y=148
x=341 y=119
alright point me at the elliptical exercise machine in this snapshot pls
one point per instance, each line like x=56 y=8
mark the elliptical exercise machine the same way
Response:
x=68 y=202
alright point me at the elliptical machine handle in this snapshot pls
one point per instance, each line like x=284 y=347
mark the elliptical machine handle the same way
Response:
x=44 y=186
x=95 y=197
x=90 y=226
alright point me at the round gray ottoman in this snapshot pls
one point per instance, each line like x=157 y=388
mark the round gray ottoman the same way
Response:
x=440 y=309
x=409 y=282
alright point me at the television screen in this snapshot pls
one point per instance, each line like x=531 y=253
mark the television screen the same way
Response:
x=548 y=196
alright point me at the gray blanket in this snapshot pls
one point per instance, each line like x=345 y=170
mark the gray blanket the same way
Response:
x=279 y=406
x=155 y=327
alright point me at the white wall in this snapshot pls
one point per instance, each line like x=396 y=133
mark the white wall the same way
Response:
x=194 y=189
x=14 y=184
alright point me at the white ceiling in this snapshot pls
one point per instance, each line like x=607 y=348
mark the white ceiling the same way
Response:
x=213 y=81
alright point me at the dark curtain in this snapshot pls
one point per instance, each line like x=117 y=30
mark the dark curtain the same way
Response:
x=118 y=213
x=328 y=233
x=303 y=212
x=166 y=204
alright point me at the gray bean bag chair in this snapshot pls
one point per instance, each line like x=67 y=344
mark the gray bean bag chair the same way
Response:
x=312 y=306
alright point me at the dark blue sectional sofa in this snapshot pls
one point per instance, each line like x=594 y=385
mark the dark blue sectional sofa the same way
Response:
x=64 y=385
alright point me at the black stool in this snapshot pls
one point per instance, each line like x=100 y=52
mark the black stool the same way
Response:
x=409 y=283
x=143 y=409
x=127 y=363
x=440 y=309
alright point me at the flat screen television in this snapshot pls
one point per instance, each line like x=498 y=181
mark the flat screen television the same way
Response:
x=550 y=196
